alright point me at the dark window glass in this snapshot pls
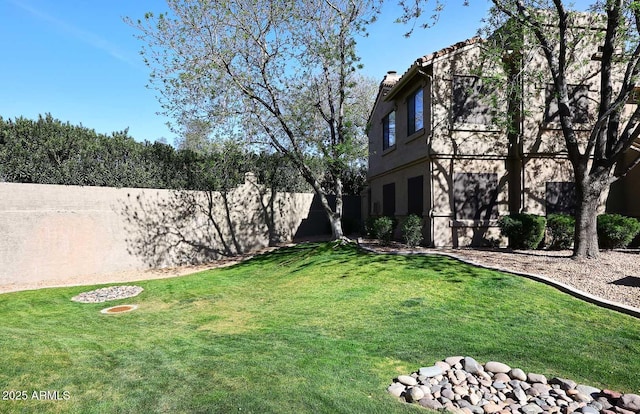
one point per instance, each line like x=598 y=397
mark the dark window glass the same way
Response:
x=389 y=200
x=468 y=106
x=560 y=197
x=578 y=101
x=415 y=112
x=389 y=130
x=415 y=195
x=475 y=196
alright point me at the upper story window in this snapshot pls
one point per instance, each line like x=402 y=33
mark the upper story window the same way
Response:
x=389 y=130
x=415 y=112
x=578 y=101
x=468 y=106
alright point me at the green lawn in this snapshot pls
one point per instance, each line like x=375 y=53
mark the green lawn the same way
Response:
x=313 y=328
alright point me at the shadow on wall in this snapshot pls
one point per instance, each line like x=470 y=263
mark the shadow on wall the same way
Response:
x=317 y=224
x=190 y=227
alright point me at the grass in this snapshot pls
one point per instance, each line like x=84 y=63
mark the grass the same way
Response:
x=313 y=328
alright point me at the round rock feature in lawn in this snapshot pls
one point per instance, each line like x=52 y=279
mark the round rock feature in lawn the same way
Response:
x=469 y=387
x=107 y=294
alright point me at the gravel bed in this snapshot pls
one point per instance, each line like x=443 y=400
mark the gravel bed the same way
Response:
x=107 y=294
x=614 y=276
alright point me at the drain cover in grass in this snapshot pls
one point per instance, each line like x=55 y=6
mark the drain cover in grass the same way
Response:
x=119 y=309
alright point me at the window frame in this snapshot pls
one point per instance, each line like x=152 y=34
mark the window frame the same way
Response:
x=389 y=132
x=389 y=199
x=415 y=118
x=581 y=113
x=460 y=120
x=415 y=201
x=565 y=195
x=487 y=209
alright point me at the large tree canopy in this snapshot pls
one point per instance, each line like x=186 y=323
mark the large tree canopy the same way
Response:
x=609 y=33
x=605 y=37
x=278 y=73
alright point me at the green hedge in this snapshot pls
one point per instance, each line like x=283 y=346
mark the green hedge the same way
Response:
x=525 y=231
x=412 y=230
x=561 y=228
x=616 y=231
x=383 y=229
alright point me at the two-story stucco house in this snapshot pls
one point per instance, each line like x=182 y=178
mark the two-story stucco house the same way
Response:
x=436 y=150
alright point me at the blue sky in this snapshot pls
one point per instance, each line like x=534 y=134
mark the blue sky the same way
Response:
x=79 y=61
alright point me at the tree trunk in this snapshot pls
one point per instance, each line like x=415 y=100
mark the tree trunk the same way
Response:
x=586 y=234
x=586 y=230
x=336 y=226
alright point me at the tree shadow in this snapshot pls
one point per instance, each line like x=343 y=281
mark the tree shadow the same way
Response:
x=631 y=281
x=180 y=227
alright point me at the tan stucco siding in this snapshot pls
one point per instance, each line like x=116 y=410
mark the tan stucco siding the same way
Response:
x=408 y=147
x=448 y=228
x=51 y=231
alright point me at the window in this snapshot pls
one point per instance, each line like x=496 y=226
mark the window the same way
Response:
x=634 y=97
x=415 y=195
x=389 y=130
x=578 y=101
x=560 y=197
x=468 y=106
x=389 y=200
x=475 y=196
x=415 y=112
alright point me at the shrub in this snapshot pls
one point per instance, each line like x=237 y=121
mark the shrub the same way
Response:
x=412 y=230
x=561 y=229
x=369 y=229
x=525 y=231
x=616 y=231
x=383 y=229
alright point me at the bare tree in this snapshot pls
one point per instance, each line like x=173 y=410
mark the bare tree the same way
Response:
x=280 y=73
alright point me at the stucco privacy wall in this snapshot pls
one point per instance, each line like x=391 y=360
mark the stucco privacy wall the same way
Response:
x=51 y=232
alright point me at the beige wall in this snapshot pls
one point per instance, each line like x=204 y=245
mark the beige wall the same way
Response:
x=50 y=232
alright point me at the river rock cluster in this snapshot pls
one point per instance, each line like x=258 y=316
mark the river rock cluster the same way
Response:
x=461 y=385
x=108 y=293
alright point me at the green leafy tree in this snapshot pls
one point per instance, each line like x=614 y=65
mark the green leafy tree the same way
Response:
x=278 y=73
x=613 y=33
x=614 y=129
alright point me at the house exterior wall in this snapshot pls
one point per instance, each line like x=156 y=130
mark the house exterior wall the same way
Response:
x=408 y=148
x=528 y=167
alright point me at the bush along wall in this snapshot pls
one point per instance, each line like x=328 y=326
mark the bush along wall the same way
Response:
x=383 y=229
x=616 y=231
x=561 y=230
x=412 y=230
x=525 y=231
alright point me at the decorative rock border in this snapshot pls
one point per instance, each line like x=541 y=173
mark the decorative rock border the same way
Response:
x=461 y=385
x=108 y=293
